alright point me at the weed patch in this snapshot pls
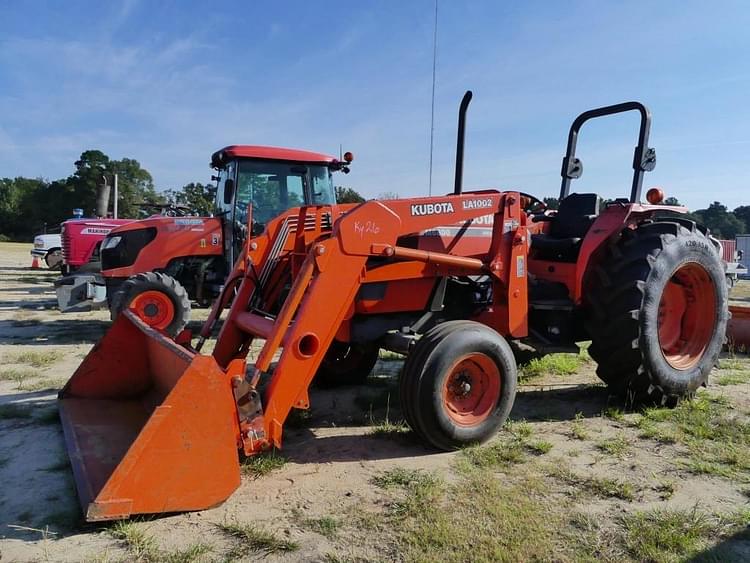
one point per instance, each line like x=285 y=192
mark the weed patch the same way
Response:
x=717 y=439
x=552 y=364
x=733 y=377
x=578 y=429
x=34 y=358
x=402 y=477
x=326 y=526
x=478 y=518
x=262 y=464
x=672 y=535
x=18 y=375
x=618 y=446
x=142 y=546
x=540 y=447
x=597 y=486
x=250 y=539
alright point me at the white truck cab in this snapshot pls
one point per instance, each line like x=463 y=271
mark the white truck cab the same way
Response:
x=48 y=247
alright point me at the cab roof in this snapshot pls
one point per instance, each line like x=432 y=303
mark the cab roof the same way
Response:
x=220 y=157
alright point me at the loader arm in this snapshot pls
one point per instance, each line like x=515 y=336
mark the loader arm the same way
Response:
x=329 y=279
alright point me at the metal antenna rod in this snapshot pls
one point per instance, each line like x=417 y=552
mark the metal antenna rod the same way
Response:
x=432 y=109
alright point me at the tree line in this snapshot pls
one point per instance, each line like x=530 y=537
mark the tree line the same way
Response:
x=30 y=205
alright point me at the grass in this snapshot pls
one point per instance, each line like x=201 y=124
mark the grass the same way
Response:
x=389 y=429
x=614 y=413
x=34 y=358
x=139 y=543
x=577 y=429
x=520 y=429
x=598 y=486
x=617 y=446
x=251 y=539
x=326 y=526
x=734 y=377
x=540 y=446
x=262 y=464
x=498 y=454
x=477 y=518
x=675 y=535
x=42 y=384
x=554 y=364
x=19 y=375
x=142 y=546
x=402 y=477
x=194 y=552
x=717 y=438
x=386 y=428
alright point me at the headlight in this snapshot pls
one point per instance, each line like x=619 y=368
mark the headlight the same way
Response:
x=38 y=244
x=111 y=242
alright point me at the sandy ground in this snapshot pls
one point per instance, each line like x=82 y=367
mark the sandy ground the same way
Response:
x=331 y=454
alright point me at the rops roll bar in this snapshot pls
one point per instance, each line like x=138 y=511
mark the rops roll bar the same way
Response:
x=644 y=157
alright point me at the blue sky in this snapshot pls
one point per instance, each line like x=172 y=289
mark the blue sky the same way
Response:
x=168 y=83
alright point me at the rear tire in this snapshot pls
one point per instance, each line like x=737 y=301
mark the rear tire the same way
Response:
x=659 y=312
x=157 y=299
x=458 y=384
x=347 y=364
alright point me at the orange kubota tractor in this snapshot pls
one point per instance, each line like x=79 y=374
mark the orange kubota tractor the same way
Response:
x=152 y=426
x=157 y=266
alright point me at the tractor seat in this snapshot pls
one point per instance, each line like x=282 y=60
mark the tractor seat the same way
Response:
x=574 y=218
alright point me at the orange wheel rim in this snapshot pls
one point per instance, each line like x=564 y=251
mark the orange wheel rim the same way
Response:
x=154 y=308
x=687 y=315
x=472 y=389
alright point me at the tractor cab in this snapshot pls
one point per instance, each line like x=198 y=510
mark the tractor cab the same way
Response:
x=270 y=181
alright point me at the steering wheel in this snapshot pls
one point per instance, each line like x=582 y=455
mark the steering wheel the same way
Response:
x=532 y=205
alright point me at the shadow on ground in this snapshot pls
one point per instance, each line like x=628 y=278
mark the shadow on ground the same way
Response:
x=62 y=331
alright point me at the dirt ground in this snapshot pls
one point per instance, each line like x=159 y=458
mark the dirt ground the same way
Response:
x=351 y=481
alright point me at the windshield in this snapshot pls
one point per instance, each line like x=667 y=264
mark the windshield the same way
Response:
x=274 y=187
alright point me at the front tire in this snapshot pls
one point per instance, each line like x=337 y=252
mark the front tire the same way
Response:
x=458 y=384
x=157 y=299
x=659 y=312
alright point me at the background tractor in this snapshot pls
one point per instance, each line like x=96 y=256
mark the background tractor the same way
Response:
x=152 y=425
x=157 y=266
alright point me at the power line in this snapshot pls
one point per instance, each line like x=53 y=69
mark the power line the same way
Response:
x=432 y=109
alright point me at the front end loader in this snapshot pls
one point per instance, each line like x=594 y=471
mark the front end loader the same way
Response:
x=154 y=426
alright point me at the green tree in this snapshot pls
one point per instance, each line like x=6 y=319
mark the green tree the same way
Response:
x=348 y=195
x=135 y=186
x=672 y=201
x=743 y=214
x=722 y=222
x=551 y=202
x=198 y=197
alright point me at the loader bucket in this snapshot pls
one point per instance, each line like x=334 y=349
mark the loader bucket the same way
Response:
x=149 y=426
x=738 y=329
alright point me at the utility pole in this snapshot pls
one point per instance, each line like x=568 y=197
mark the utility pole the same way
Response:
x=114 y=201
x=432 y=108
